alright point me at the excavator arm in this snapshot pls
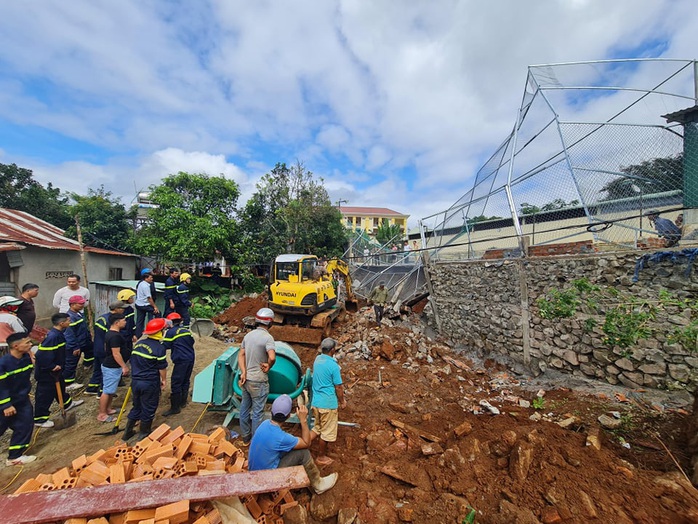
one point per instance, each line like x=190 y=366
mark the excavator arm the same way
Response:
x=342 y=267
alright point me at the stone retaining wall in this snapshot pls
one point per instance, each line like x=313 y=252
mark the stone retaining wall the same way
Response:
x=491 y=306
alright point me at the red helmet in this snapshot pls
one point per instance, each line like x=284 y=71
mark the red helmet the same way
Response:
x=154 y=326
x=174 y=316
x=265 y=316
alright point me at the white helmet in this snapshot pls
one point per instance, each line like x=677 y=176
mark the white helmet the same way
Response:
x=264 y=316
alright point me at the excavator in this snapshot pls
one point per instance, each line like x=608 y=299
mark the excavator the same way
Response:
x=307 y=296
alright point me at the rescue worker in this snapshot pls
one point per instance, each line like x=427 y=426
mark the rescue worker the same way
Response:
x=9 y=322
x=171 y=290
x=101 y=328
x=49 y=362
x=146 y=308
x=378 y=297
x=180 y=341
x=148 y=378
x=127 y=296
x=78 y=340
x=16 y=411
x=256 y=357
x=182 y=301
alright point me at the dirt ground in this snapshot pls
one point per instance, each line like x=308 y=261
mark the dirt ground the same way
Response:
x=426 y=449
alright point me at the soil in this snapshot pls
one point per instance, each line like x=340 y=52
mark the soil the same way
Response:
x=424 y=449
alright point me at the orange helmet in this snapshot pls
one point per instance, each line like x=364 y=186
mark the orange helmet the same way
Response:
x=174 y=316
x=154 y=326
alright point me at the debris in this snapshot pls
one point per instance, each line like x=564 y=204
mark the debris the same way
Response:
x=593 y=439
x=568 y=422
x=463 y=429
x=489 y=407
x=425 y=436
x=609 y=422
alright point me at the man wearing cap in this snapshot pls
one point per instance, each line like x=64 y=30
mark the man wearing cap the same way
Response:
x=26 y=311
x=60 y=299
x=179 y=340
x=148 y=378
x=171 y=291
x=378 y=297
x=9 y=323
x=101 y=328
x=16 y=411
x=145 y=301
x=182 y=301
x=50 y=360
x=113 y=364
x=128 y=296
x=273 y=448
x=328 y=396
x=256 y=357
x=78 y=340
x=666 y=229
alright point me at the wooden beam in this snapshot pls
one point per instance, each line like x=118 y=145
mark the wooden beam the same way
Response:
x=426 y=436
x=50 y=506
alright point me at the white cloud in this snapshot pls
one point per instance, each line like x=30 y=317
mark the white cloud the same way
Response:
x=361 y=92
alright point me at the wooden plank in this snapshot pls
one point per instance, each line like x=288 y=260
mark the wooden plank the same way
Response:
x=407 y=427
x=51 y=506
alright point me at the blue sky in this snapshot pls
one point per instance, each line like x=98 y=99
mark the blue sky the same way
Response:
x=395 y=104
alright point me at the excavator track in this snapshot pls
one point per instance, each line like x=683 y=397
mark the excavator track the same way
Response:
x=320 y=327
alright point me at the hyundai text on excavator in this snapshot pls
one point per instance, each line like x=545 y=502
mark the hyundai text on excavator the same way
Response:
x=304 y=297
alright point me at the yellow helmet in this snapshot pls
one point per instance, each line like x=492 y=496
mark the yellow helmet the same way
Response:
x=184 y=276
x=125 y=294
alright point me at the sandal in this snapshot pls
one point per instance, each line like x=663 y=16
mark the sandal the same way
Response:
x=111 y=412
x=106 y=420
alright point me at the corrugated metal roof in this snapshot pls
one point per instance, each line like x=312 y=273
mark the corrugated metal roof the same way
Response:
x=11 y=246
x=21 y=227
x=128 y=284
x=366 y=211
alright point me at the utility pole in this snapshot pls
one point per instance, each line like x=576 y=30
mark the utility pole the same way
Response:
x=340 y=202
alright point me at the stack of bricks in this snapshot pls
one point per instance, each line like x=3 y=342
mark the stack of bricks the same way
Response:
x=165 y=453
x=565 y=248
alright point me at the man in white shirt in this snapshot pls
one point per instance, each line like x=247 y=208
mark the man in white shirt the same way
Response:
x=145 y=301
x=60 y=299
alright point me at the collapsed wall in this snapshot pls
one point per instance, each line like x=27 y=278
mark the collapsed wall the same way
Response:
x=492 y=307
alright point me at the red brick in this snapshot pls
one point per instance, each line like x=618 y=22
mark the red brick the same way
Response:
x=177 y=512
x=173 y=435
x=159 y=432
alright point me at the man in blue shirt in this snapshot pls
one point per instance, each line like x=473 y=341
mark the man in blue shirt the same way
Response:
x=171 y=291
x=328 y=396
x=273 y=448
x=666 y=229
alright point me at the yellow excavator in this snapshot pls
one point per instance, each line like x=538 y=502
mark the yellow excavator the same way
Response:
x=306 y=296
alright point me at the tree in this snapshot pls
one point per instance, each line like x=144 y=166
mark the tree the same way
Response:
x=558 y=203
x=290 y=212
x=649 y=176
x=387 y=233
x=194 y=217
x=104 y=220
x=19 y=190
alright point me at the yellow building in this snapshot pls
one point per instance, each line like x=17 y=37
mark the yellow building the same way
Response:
x=369 y=218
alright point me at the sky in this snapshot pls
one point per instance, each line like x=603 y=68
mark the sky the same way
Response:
x=394 y=103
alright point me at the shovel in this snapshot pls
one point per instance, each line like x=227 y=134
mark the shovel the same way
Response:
x=116 y=429
x=67 y=419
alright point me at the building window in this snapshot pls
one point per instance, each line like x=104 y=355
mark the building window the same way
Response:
x=349 y=224
x=375 y=222
x=115 y=273
x=358 y=221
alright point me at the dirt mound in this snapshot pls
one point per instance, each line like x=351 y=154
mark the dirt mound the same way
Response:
x=248 y=306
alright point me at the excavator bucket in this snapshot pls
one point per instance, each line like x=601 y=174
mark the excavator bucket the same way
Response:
x=352 y=305
x=297 y=334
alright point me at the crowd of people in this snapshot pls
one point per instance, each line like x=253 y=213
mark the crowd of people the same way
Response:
x=131 y=339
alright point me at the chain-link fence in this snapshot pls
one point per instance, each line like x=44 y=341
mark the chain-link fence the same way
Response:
x=595 y=147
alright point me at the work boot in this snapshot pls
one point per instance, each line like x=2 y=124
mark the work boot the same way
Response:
x=184 y=400
x=130 y=429
x=175 y=405
x=318 y=483
x=146 y=428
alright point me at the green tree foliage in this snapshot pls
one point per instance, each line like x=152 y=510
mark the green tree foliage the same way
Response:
x=19 y=190
x=290 y=212
x=559 y=203
x=387 y=233
x=104 y=220
x=194 y=217
x=481 y=218
x=647 y=177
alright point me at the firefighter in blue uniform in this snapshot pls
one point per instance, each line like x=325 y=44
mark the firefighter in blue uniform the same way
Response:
x=100 y=329
x=78 y=340
x=182 y=301
x=49 y=362
x=16 y=411
x=148 y=378
x=127 y=296
x=171 y=290
x=180 y=341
